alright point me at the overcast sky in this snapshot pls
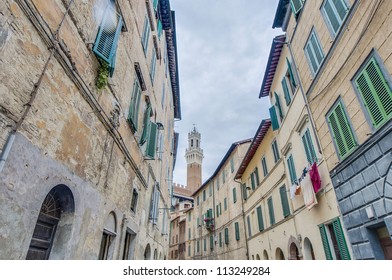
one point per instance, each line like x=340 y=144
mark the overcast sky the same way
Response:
x=223 y=48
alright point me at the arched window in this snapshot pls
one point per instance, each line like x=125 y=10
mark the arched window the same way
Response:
x=108 y=236
x=56 y=214
x=294 y=253
x=155 y=254
x=147 y=252
x=257 y=257
x=308 y=250
x=265 y=255
x=279 y=254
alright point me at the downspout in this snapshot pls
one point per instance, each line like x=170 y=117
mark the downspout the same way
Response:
x=243 y=219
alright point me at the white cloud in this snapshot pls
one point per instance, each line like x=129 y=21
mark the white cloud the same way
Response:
x=223 y=47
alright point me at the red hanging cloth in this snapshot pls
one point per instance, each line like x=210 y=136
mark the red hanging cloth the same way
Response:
x=315 y=177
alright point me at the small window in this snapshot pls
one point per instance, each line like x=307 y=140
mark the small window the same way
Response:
x=225 y=203
x=133 y=115
x=256 y=172
x=223 y=176
x=198 y=200
x=271 y=210
x=334 y=242
x=249 y=226
x=296 y=7
x=237 y=231
x=154 y=204
x=204 y=195
x=244 y=191
x=285 y=201
x=232 y=165
x=375 y=92
x=211 y=242
x=275 y=150
x=264 y=165
x=309 y=148
x=135 y=196
x=146 y=34
x=335 y=11
x=226 y=236
x=341 y=131
x=220 y=239
x=205 y=244
x=234 y=195
x=314 y=53
x=198 y=246
x=153 y=65
x=260 y=218
x=293 y=174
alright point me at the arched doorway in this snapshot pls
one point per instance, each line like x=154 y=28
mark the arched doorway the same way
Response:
x=56 y=214
x=308 y=250
x=279 y=254
x=155 y=254
x=294 y=252
x=265 y=255
x=147 y=252
x=257 y=257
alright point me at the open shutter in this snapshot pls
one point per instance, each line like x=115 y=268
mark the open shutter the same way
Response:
x=249 y=226
x=257 y=176
x=211 y=242
x=234 y=195
x=277 y=104
x=146 y=123
x=293 y=175
x=155 y=4
x=252 y=179
x=274 y=119
x=152 y=139
x=286 y=91
x=260 y=218
x=285 y=202
x=105 y=44
x=271 y=211
x=307 y=151
x=237 y=231
x=292 y=79
x=244 y=191
x=296 y=6
x=341 y=131
x=324 y=239
x=217 y=210
x=226 y=236
x=159 y=29
x=134 y=106
x=342 y=245
x=375 y=92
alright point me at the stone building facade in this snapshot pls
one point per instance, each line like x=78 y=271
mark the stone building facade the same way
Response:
x=342 y=50
x=85 y=172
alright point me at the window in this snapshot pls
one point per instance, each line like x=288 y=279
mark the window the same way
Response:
x=154 y=204
x=205 y=244
x=296 y=6
x=252 y=180
x=290 y=164
x=234 y=195
x=198 y=221
x=341 y=130
x=271 y=211
x=146 y=121
x=210 y=190
x=334 y=242
x=284 y=200
x=249 y=226
x=105 y=45
x=220 y=208
x=129 y=246
x=217 y=210
x=198 y=200
x=275 y=150
x=189 y=233
x=256 y=172
x=198 y=246
x=225 y=203
x=217 y=183
x=146 y=34
x=290 y=77
x=274 y=118
x=152 y=139
x=232 y=165
x=189 y=250
x=278 y=106
x=244 y=191
x=152 y=65
x=313 y=52
x=237 y=231
x=134 y=200
x=204 y=195
x=309 y=148
x=223 y=176
x=226 y=236
x=260 y=218
x=264 y=165
x=220 y=239
x=375 y=92
x=211 y=242
x=286 y=92
x=134 y=106
x=335 y=11
x=189 y=216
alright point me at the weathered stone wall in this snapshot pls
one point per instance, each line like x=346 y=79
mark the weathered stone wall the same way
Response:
x=67 y=137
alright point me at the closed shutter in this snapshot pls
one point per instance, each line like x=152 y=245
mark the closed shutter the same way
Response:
x=133 y=115
x=375 y=92
x=293 y=175
x=217 y=210
x=309 y=148
x=292 y=79
x=159 y=29
x=341 y=131
x=260 y=218
x=146 y=123
x=285 y=202
x=249 y=226
x=324 y=239
x=225 y=203
x=220 y=239
x=257 y=176
x=296 y=6
x=264 y=164
x=226 y=236
x=271 y=211
x=211 y=242
x=205 y=244
x=342 y=245
x=252 y=179
x=234 y=195
x=244 y=191
x=286 y=92
x=105 y=44
x=277 y=104
x=237 y=231
x=332 y=18
x=274 y=119
x=152 y=139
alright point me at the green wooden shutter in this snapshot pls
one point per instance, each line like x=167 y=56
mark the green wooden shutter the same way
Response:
x=146 y=34
x=274 y=118
x=285 y=202
x=105 y=44
x=341 y=131
x=225 y=203
x=198 y=221
x=217 y=210
x=244 y=191
x=296 y=6
x=257 y=176
x=155 y=4
x=271 y=211
x=205 y=244
x=211 y=242
x=226 y=236
x=286 y=91
x=324 y=239
x=290 y=163
x=249 y=226
x=189 y=233
x=237 y=231
x=232 y=165
x=264 y=164
x=277 y=104
x=159 y=29
x=260 y=218
x=152 y=139
x=342 y=245
x=220 y=239
x=252 y=179
x=146 y=124
x=292 y=79
x=375 y=92
x=234 y=195
x=133 y=115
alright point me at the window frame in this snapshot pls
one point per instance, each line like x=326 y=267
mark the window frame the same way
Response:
x=313 y=33
x=327 y=19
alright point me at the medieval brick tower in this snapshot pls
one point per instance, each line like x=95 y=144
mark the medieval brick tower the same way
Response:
x=194 y=158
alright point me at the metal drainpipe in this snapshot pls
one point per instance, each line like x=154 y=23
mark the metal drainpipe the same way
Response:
x=243 y=218
x=33 y=94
